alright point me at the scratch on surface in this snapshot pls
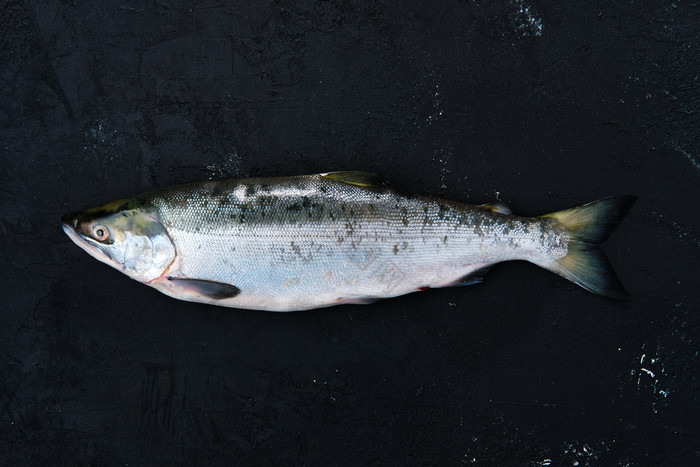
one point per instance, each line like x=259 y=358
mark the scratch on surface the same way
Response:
x=567 y=56
x=687 y=155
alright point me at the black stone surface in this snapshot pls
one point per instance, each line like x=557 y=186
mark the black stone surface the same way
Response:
x=543 y=105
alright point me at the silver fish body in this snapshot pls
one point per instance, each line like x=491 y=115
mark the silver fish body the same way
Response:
x=304 y=242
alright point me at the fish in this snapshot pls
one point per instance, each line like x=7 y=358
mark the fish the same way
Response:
x=313 y=241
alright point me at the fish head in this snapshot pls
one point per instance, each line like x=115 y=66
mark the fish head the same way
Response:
x=126 y=234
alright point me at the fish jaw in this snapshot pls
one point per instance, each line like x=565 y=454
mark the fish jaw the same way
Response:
x=92 y=248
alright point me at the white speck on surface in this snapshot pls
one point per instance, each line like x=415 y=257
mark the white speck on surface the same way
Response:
x=528 y=23
x=437 y=102
x=683 y=233
x=101 y=139
x=230 y=167
x=443 y=157
x=651 y=388
x=578 y=453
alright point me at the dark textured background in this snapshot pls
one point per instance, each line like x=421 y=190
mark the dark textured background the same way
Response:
x=542 y=105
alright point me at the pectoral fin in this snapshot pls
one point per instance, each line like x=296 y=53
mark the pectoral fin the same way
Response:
x=204 y=288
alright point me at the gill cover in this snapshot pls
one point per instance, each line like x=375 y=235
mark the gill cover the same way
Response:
x=127 y=235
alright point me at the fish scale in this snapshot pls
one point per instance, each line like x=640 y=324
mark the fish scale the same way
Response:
x=324 y=241
x=295 y=243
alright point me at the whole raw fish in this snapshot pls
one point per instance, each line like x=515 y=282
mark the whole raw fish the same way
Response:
x=296 y=243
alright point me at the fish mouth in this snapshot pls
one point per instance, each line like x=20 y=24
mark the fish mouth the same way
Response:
x=69 y=222
x=70 y=227
x=75 y=228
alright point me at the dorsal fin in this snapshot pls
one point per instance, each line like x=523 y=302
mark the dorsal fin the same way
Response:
x=497 y=207
x=356 y=178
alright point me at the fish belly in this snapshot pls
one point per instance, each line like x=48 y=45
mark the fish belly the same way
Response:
x=305 y=267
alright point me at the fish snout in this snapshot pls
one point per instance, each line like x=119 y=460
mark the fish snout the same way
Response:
x=74 y=223
x=70 y=222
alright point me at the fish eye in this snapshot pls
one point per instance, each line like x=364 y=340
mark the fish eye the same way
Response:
x=100 y=232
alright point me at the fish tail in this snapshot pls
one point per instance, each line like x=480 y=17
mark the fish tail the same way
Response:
x=588 y=226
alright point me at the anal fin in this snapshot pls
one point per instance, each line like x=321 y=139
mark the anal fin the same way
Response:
x=474 y=277
x=358 y=300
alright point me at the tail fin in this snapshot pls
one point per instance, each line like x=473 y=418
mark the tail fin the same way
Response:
x=589 y=225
